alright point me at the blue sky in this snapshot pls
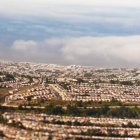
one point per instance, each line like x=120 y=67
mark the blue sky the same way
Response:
x=93 y=32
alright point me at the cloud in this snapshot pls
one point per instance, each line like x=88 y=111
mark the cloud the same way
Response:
x=32 y=4
x=27 y=46
x=124 y=3
x=71 y=21
x=70 y=9
x=103 y=51
x=110 y=51
x=50 y=18
x=31 y=50
x=40 y=19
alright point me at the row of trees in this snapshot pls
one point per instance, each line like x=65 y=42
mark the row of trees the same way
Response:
x=122 y=112
x=129 y=83
x=44 y=102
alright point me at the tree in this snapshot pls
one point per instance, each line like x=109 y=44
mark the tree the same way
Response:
x=29 y=98
x=80 y=80
x=114 y=81
x=56 y=110
x=72 y=110
x=9 y=77
x=87 y=75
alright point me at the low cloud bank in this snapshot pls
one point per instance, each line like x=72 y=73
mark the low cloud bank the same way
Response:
x=110 y=51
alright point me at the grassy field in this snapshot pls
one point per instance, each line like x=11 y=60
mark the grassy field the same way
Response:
x=24 y=89
x=4 y=92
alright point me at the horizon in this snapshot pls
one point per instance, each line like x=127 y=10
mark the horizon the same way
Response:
x=65 y=65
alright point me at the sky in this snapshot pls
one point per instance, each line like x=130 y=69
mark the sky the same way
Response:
x=100 y=33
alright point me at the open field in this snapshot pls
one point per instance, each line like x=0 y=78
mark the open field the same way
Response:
x=4 y=93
